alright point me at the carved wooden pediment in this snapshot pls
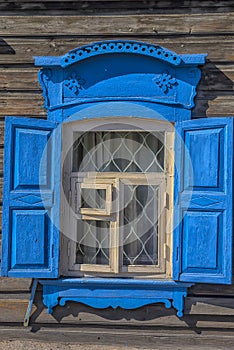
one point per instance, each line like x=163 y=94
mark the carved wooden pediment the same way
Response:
x=120 y=71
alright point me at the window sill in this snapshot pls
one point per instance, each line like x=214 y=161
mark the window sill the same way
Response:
x=114 y=292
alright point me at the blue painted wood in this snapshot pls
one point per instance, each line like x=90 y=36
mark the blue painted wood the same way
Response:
x=140 y=78
x=124 y=108
x=36 y=198
x=207 y=173
x=202 y=240
x=50 y=296
x=27 y=146
x=109 y=292
x=30 y=303
x=178 y=300
x=25 y=249
x=30 y=238
x=124 y=303
x=203 y=201
x=119 y=71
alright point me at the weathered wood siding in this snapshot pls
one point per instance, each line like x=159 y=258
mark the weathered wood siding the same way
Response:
x=30 y=28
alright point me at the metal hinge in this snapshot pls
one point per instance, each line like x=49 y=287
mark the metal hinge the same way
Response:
x=166 y=251
x=166 y=200
x=68 y=248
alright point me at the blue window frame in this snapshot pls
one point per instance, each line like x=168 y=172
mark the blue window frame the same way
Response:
x=119 y=79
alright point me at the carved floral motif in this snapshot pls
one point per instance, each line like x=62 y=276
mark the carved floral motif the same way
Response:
x=74 y=83
x=165 y=82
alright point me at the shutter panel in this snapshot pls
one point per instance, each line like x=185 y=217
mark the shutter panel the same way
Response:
x=203 y=201
x=30 y=237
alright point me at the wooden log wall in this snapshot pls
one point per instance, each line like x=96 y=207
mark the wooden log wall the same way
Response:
x=33 y=28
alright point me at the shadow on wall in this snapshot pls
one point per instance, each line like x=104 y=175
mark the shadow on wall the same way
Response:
x=152 y=317
x=6 y=49
x=214 y=83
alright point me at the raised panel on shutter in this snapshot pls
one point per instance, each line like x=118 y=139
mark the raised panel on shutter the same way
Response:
x=29 y=226
x=30 y=241
x=30 y=144
x=203 y=207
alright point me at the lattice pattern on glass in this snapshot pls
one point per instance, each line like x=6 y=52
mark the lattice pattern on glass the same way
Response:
x=92 y=245
x=140 y=225
x=133 y=151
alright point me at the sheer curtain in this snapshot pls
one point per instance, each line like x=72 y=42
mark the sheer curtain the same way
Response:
x=118 y=152
x=121 y=151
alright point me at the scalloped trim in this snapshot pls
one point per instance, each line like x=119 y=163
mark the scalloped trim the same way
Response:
x=108 y=292
x=120 y=46
x=124 y=303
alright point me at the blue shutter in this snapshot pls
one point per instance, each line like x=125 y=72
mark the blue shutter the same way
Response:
x=30 y=237
x=203 y=201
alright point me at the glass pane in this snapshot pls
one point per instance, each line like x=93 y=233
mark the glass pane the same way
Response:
x=93 y=198
x=140 y=225
x=92 y=242
x=118 y=152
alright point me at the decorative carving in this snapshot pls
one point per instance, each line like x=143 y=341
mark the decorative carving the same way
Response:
x=74 y=83
x=124 y=303
x=103 y=293
x=45 y=199
x=30 y=199
x=167 y=92
x=50 y=297
x=44 y=76
x=120 y=46
x=165 y=82
x=203 y=201
x=178 y=302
